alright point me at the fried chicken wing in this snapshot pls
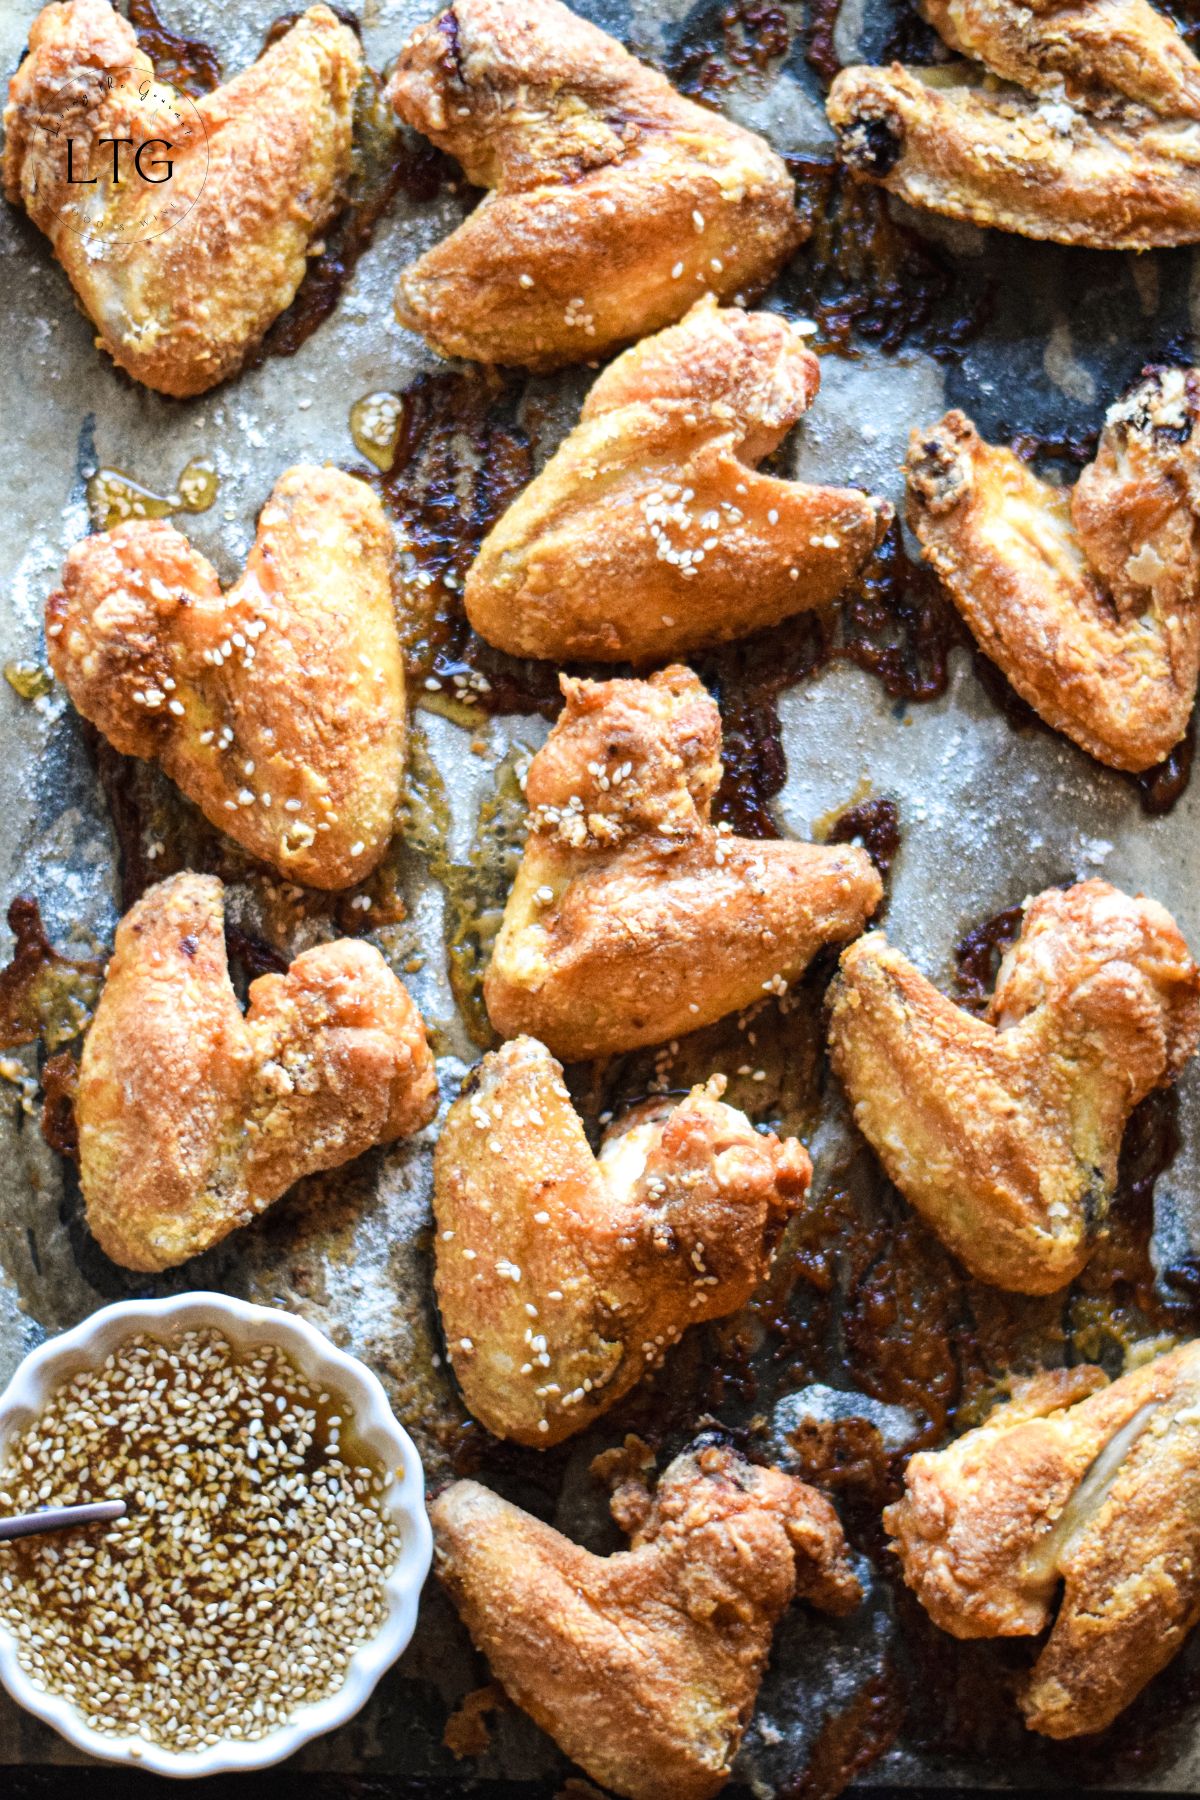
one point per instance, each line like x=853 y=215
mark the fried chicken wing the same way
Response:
x=192 y=1117
x=277 y=707
x=632 y=918
x=1096 y=141
x=563 y=1277
x=650 y=532
x=644 y=1666
x=613 y=202
x=1078 y=1485
x=1089 y=601
x=178 y=306
x=1003 y=1132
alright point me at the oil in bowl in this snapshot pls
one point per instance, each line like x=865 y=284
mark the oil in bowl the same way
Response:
x=252 y=1562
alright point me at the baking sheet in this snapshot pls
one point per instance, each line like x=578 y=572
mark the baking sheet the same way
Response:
x=988 y=814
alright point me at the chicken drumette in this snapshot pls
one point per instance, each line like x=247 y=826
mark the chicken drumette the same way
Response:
x=644 y=1666
x=194 y=1117
x=1004 y=1131
x=181 y=273
x=651 y=533
x=633 y=918
x=1091 y=136
x=613 y=204
x=1088 y=600
x=277 y=707
x=1075 y=1485
x=563 y=1277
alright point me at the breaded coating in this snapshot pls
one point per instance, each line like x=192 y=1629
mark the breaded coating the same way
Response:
x=277 y=707
x=1091 y=136
x=650 y=532
x=613 y=202
x=644 y=1666
x=1004 y=1132
x=192 y=1117
x=1087 y=599
x=1076 y=1482
x=633 y=919
x=178 y=306
x=563 y=1277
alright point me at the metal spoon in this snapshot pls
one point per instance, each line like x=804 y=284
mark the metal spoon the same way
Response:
x=61 y=1518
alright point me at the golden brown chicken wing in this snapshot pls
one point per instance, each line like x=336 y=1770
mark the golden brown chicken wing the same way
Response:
x=644 y=1666
x=563 y=1277
x=614 y=202
x=192 y=1117
x=633 y=918
x=1096 y=141
x=651 y=533
x=1004 y=1131
x=1076 y=1482
x=258 y=169
x=1088 y=600
x=277 y=707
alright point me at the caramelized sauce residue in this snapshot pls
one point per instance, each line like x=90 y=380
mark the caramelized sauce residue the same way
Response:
x=978 y=955
x=725 y=42
x=386 y=159
x=894 y=622
x=187 y=63
x=862 y=273
x=60 y=1083
x=461 y=458
x=43 y=995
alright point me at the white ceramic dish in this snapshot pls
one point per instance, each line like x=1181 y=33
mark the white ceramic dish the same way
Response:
x=86 y=1346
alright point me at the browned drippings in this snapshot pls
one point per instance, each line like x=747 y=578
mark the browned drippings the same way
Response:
x=863 y=273
x=60 y=1083
x=726 y=42
x=186 y=63
x=978 y=955
x=43 y=995
x=461 y=459
x=386 y=159
x=894 y=622
x=875 y=824
x=820 y=26
x=851 y=1739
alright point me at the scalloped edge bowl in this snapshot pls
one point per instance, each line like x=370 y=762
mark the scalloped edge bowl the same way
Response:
x=85 y=1346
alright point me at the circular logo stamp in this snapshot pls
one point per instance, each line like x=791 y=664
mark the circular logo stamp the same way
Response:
x=121 y=157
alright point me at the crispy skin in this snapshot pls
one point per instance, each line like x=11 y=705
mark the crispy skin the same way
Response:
x=1098 y=144
x=1089 y=601
x=291 y=739
x=180 y=310
x=603 y=557
x=192 y=1118
x=1004 y=1132
x=1095 y=50
x=1078 y=1482
x=632 y=918
x=644 y=1666
x=675 y=1223
x=598 y=171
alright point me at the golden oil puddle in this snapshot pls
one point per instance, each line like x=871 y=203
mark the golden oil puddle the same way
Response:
x=113 y=496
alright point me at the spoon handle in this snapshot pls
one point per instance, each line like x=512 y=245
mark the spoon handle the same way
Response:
x=61 y=1518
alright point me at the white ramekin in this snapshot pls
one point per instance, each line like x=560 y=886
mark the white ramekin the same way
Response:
x=86 y=1346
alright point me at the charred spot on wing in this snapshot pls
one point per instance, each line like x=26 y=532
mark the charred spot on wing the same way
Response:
x=937 y=474
x=872 y=145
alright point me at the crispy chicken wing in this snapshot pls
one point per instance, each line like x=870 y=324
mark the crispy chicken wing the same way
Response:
x=179 y=306
x=632 y=918
x=650 y=532
x=1004 y=1131
x=613 y=204
x=192 y=1117
x=1096 y=139
x=561 y=1277
x=277 y=707
x=644 y=1666
x=1089 y=600
x=1078 y=1483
